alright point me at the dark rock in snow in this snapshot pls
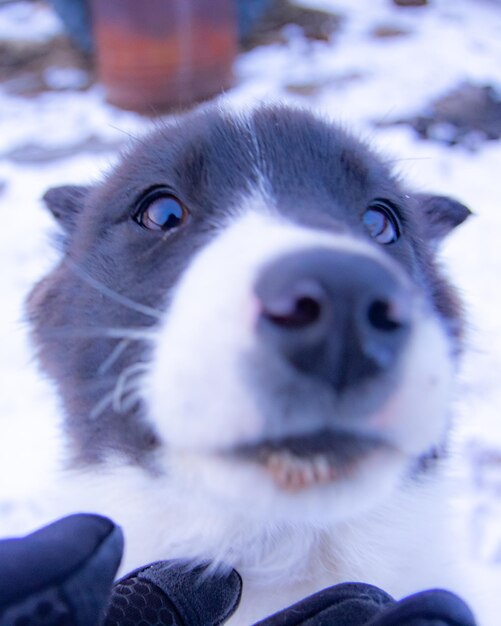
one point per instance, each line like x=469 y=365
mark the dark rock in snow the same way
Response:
x=468 y=116
x=410 y=3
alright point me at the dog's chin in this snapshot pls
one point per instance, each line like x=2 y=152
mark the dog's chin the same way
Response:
x=323 y=478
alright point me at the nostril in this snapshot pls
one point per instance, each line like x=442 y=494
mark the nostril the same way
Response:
x=299 y=313
x=383 y=316
x=297 y=305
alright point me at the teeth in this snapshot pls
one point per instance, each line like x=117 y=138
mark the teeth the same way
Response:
x=324 y=472
x=308 y=474
x=280 y=461
x=293 y=474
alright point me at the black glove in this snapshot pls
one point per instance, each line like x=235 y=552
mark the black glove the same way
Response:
x=60 y=575
x=169 y=593
x=359 y=604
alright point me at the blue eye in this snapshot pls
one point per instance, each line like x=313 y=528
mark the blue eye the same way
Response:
x=381 y=222
x=161 y=211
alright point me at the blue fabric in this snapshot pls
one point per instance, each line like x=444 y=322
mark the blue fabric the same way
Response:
x=249 y=12
x=75 y=15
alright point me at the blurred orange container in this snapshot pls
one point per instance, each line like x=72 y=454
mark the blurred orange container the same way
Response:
x=154 y=55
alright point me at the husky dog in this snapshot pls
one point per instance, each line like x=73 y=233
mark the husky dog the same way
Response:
x=255 y=352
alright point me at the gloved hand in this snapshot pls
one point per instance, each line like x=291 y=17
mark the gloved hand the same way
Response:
x=62 y=575
x=359 y=604
x=169 y=593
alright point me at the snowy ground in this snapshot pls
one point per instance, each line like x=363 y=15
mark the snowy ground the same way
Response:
x=51 y=139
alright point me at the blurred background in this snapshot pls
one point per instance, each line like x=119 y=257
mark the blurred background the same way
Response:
x=420 y=79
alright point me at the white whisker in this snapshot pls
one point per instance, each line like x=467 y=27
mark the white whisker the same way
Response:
x=101 y=406
x=131 y=398
x=118 y=350
x=124 y=383
x=113 y=295
x=113 y=333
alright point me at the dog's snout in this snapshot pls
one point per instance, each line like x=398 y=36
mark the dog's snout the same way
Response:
x=339 y=316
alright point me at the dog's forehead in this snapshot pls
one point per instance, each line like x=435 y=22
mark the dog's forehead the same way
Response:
x=213 y=157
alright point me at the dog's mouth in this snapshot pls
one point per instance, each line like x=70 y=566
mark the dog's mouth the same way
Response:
x=297 y=463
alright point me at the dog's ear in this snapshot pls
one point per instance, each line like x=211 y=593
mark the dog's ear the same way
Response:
x=440 y=215
x=65 y=203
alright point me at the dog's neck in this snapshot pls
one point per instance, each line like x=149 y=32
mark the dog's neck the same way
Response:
x=266 y=552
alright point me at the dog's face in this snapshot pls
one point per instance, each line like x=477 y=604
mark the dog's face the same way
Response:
x=250 y=304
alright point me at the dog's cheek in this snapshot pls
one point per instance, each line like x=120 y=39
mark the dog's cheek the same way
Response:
x=194 y=391
x=188 y=404
x=416 y=417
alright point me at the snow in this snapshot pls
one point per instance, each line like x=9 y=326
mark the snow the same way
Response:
x=354 y=77
x=25 y=20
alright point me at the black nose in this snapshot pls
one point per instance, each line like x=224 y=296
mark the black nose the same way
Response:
x=338 y=316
